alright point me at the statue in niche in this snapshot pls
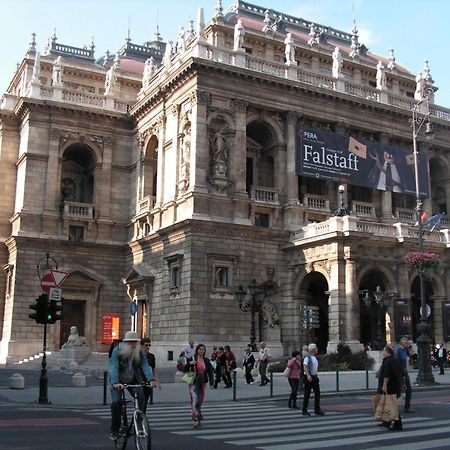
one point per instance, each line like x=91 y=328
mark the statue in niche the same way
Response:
x=181 y=45
x=289 y=51
x=239 y=33
x=149 y=70
x=219 y=157
x=337 y=63
x=74 y=339
x=67 y=190
x=220 y=147
x=270 y=314
x=57 y=71
x=185 y=154
x=381 y=76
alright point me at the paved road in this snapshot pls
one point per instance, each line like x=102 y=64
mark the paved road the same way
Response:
x=247 y=425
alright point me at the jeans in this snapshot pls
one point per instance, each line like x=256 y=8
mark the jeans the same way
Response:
x=116 y=405
x=262 y=371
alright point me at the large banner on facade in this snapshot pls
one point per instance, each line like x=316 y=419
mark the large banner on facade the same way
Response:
x=347 y=159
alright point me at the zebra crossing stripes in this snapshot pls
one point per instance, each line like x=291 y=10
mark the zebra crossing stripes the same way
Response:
x=272 y=427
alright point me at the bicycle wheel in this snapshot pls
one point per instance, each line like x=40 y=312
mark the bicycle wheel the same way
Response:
x=142 y=429
x=121 y=441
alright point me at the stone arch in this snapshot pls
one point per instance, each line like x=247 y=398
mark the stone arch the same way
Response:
x=78 y=173
x=311 y=288
x=149 y=169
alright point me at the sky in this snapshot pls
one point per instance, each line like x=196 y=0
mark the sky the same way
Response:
x=417 y=30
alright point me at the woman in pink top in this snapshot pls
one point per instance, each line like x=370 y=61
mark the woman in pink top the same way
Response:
x=204 y=374
x=294 y=378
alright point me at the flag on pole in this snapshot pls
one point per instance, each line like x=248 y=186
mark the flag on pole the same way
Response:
x=423 y=218
x=435 y=220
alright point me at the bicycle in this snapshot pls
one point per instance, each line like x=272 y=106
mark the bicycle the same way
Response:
x=137 y=426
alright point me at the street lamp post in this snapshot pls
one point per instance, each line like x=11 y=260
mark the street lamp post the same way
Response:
x=254 y=304
x=424 y=375
x=342 y=210
x=382 y=301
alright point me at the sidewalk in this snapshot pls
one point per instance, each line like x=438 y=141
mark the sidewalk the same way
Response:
x=350 y=383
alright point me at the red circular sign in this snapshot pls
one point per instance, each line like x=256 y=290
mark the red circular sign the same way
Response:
x=47 y=282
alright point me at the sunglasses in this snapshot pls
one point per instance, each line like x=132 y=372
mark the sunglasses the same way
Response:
x=147 y=345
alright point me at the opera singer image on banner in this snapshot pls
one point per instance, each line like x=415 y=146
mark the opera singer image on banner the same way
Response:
x=345 y=159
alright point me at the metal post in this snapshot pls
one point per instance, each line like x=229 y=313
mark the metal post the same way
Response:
x=234 y=385
x=271 y=383
x=105 y=382
x=367 y=377
x=424 y=375
x=337 y=377
x=253 y=326
x=43 y=380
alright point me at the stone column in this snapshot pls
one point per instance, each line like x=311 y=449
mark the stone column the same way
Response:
x=199 y=142
x=352 y=305
x=336 y=303
x=292 y=210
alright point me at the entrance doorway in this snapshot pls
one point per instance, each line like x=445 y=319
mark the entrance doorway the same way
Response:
x=73 y=315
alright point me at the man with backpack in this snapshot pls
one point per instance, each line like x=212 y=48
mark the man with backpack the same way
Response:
x=311 y=381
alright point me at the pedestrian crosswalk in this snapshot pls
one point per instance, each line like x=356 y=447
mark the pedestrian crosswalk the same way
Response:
x=272 y=427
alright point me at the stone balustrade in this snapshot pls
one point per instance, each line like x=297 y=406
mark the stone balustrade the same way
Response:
x=74 y=210
x=264 y=195
x=363 y=209
x=317 y=202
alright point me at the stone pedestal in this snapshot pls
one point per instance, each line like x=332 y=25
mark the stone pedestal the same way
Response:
x=79 y=380
x=16 y=381
x=77 y=354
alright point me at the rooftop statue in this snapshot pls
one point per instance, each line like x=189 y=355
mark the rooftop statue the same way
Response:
x=381 y=76
x=167 y=60
x=36 y=68
x=337 y=63
x=57 y=71
x=315 y=36
x=149 y=70
x=289 y=50
x=239 y=33
x=181 y=45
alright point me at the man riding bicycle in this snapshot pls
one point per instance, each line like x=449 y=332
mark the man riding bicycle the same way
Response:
x=128 y=365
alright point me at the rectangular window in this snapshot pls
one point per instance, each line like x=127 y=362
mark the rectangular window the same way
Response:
x=76 y=233
x=221 y=278
x=262 y=220
x=174 y=265
x=175 y=277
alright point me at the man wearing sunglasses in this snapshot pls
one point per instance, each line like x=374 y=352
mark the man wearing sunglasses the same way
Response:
x=148 y=391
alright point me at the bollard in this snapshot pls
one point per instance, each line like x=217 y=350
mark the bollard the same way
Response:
x=271 y=383
x=337 y=377
x=367 y=377
x=79 y=380
x=234 y=385
x=16 y=381
x=105 y=379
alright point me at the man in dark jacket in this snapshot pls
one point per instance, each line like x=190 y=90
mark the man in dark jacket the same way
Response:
x=390 y=382
x=441 y=358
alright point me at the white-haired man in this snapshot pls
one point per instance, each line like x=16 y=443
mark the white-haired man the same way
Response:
x=126 y=366
x=311 y=381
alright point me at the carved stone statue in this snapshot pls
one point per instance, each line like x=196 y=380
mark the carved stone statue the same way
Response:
x=270 y=314
x=57 y=71
x=220 y=148
x=315 y=35
x=337 y=63
x=239 y=33
x=149 y=70
x=181 y=46
x=289 y=51
x=381 y=76
x=110 y=80
x=74 y=339
x=36 y=69
x=185 y=152
x=420 y=87
x=167 y=60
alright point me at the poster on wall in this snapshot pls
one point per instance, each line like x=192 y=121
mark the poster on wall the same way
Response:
x=110 y=328
x=329 y=156
x=446 y=321
x=402 y=319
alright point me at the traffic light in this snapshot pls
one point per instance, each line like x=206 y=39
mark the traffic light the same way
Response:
x=53 y=312
x=40 y=316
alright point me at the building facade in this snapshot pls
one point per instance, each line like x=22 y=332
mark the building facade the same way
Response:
x=165 y=177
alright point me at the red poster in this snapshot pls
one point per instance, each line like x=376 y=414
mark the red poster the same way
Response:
x=110 y=328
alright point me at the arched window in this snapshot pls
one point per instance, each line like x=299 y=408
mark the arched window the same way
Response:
x=77 y=174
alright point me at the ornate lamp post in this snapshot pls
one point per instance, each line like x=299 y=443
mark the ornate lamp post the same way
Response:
x=252 y=304
x=382 y=301
x=342 y=210
x=424 y=375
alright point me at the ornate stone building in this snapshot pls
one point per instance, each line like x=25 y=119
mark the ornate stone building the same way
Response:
x=168 y=175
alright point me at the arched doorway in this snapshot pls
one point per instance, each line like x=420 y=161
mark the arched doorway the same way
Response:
x=315 y=289
x=375 y=323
